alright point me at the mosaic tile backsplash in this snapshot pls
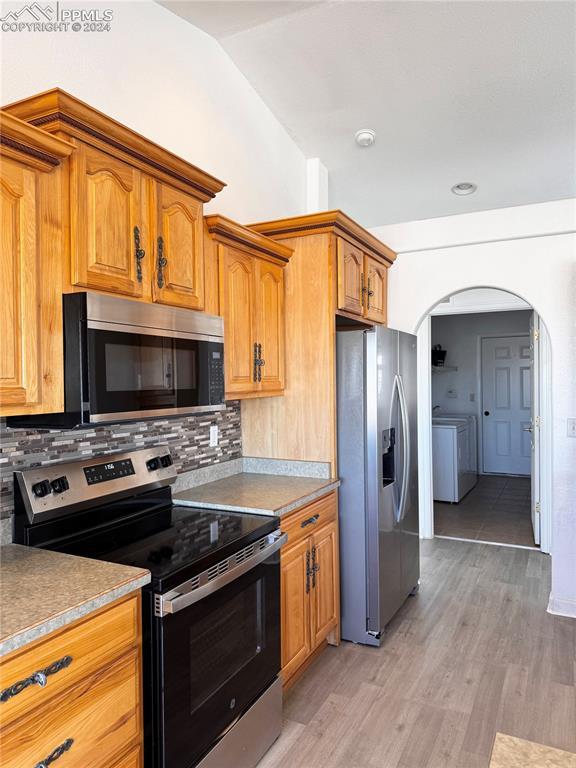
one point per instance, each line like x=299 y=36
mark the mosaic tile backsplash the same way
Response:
x=188 y=439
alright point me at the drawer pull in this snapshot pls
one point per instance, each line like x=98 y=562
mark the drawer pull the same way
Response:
x=55 y=754
x=310 y=521
x=38 y=678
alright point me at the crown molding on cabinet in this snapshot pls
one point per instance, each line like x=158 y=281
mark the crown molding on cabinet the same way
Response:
x=336 y=222
x=29 y=145
x=58 y=111
x=229 y=232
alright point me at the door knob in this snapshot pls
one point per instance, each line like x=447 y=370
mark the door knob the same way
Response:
x=486 y=413
x=527 y=429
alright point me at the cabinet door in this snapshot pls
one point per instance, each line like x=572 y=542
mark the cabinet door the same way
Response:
x=350 y=277
x=376 y=290
x=20 y=366
x=270 y=325
x=324 y=600
x=295 y=602
x=106 y=204
x=179 y=263
x=237 y=308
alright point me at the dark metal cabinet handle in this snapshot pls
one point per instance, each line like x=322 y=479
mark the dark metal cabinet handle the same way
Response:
x=258 y=362
x=308 y=571
x=309 y=521
x=55 y=754
x=38 y=678
x=261 y=362
x=161 y=262
x=315 y=567
x=255 y=367
x=369 y=293
x=139 y=254
x=363 y=288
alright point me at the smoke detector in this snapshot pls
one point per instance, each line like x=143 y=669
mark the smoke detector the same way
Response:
x=464 y=188
x=365 y=137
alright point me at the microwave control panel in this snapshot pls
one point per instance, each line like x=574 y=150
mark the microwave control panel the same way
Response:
x=216 y=374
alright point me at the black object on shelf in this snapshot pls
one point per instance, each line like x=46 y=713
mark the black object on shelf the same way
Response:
x=438 y=356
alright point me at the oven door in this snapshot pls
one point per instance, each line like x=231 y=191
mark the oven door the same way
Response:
x=217 y=656
x=135 y=374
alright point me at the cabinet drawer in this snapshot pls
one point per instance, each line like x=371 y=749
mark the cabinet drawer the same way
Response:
x=300 y=524
x=100 y=715
x=132 y=760
x=90 y=644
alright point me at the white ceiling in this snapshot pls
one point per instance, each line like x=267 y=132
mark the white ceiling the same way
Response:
x=456 y=91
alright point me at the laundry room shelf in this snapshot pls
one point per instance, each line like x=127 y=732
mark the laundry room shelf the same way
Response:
x=444 y=368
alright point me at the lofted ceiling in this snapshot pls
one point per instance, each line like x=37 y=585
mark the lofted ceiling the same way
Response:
x=456 y=91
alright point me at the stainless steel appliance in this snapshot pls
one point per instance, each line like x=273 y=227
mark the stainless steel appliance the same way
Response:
x=211 y=615
x=377 y=466
x=126 y=360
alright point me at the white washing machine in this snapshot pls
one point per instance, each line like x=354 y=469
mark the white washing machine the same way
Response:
x=454 y=456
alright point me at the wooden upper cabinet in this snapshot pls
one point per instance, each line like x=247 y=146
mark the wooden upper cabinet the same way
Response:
x=252 y=303
x=350 y=277
x=376 y=290
x=237 y=308
x=270 y=325
x=108 y=224
x=20 y=369
x=119 y=181
x=362 y=283
x=31 y=356
x=179 y=263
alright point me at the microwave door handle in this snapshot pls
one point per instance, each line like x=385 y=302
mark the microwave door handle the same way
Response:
x=173 y=601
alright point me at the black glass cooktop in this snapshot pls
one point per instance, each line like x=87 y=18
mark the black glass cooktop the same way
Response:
x=172 y=542
x=194 y=540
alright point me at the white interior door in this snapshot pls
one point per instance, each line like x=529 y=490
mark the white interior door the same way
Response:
x=535 y=426
x=507 y=405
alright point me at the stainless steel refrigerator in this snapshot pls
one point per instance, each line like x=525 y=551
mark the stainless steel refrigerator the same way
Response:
x=377 y=466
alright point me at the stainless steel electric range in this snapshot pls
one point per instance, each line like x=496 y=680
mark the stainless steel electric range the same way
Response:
x=211 y=615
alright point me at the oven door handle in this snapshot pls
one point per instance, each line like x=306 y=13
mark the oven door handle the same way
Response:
x=177 y=599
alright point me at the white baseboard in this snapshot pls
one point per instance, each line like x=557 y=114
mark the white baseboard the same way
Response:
x=560 y=607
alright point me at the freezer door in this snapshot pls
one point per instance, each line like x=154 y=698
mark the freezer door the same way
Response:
x=351 y=494
x=383 y=425
x=410 y=551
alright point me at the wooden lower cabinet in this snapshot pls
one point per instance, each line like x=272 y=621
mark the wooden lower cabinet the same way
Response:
x=296 y=644
x=325 y=583
x=310 y=583
x=90 y=710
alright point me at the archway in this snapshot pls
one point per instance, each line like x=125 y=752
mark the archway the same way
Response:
x=474 y=299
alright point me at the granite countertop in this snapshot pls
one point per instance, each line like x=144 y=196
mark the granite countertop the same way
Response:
x=260 y=494
x=41 y=591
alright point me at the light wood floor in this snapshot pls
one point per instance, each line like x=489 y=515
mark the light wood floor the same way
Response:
x=474 y=653
x=496 y=509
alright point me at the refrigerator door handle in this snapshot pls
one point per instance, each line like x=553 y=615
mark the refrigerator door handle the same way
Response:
x=405 y=447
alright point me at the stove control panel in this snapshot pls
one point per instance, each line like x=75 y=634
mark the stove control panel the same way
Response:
x=52 y=490
x=111 y=470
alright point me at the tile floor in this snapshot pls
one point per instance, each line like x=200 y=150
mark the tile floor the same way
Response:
x=497 y=509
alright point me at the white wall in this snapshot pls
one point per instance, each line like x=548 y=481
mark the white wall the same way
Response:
x=173 y=83
x=436 y=260
x=459 y=334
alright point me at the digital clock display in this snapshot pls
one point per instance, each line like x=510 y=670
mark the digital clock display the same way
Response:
x=112 y=470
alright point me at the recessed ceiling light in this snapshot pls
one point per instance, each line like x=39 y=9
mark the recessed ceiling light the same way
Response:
x=464 y=188
x=365 y=137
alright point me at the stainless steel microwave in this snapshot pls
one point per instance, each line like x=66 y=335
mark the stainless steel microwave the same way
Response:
x=126 y=360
